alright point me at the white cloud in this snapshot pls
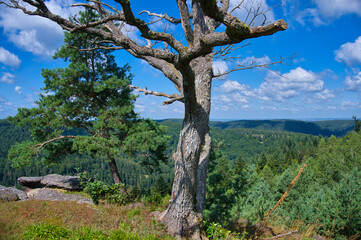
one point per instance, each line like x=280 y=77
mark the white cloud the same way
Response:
x=310 y=14
x=350 y=53
x=278 y=87
x=338 y=8
x=33 y=33
x=251 y=61
x=326 y=11
x=288 y=85
x=269 y=108
x=325 y=95
x=353 y=83
x=18 y=90
x=231 y=86
x=7 y=78
x=230 y=99
x=219 y=67
x=234 y=86
x=346 y=105
x=247 y=9
x=9 y=58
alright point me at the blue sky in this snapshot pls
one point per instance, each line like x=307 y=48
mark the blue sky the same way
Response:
x=323 y=81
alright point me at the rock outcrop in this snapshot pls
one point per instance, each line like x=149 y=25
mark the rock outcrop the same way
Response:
x=51 y=181
x=11 y=194
x=56 y=195
x=51 y=187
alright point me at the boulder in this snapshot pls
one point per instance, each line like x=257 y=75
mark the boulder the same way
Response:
x=51 y=181
x=56 y=195
x=21 y=194
x=30 y=182
x=63 y=182
x=11 y=194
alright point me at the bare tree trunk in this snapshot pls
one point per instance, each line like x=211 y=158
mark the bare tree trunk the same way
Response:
x=184 y=214
x=114 y=170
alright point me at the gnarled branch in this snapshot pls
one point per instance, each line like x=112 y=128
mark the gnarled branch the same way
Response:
x=254 y=64
x=39 y=146
x=162 y=16
x=173 y=97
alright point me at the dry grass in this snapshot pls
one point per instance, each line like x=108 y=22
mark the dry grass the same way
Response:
x=16 y=216
x=305 y=231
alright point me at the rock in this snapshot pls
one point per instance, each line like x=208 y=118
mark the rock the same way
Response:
x=56 y=195
x=52 y=181
x=7 y=195
x=21 y=194
x=63 y=182
x=30 y=182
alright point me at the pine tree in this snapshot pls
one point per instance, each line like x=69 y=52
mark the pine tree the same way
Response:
x=88 y=107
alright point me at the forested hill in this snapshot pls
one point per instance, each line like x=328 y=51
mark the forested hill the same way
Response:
x=323 y=128
x=248 y=139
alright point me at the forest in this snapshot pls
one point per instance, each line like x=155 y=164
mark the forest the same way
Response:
x=250 y=170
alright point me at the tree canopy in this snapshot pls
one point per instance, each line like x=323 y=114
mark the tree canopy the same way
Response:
x=91 y=95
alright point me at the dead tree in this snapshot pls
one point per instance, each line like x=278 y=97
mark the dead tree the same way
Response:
x=209 y=27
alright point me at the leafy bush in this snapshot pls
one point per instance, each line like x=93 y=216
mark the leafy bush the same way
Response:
x=216 y=231
x=154 y=198
x=116 y=193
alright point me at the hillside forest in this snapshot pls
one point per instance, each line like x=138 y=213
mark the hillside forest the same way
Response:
x=250 y=170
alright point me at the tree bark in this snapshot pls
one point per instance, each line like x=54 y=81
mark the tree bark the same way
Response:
x=184 y=214
x=114 y=170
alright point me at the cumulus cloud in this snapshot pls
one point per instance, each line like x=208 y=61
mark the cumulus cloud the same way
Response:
x=288 y=85
x=18 y=90
x=8 y=58
x=252 y=61
x=246 y=11
x=219 y=67
x=7 y=78
x=353 y=83
x=231 y=86
x=346 y=105
x=325 y=95
x=326 y=11
x=350 y=52
x=230 y=99
x=338 y=8
x=276 y=87
x=269 y=108
x=232 y=94
x=36 y=34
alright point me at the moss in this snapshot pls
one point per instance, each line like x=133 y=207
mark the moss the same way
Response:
x=238 y=30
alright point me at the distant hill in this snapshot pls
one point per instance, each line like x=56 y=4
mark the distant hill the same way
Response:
x=324 y=128
x=246 y=138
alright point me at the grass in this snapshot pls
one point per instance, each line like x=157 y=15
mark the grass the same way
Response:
x=36 y=219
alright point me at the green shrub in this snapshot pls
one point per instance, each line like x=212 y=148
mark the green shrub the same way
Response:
x=154 y=198
x=116 y=193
